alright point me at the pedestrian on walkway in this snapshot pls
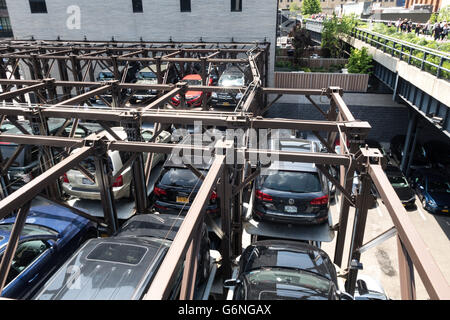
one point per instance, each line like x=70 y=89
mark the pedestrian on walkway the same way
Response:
x=397 y=24
x=418 y=29
x=437 y=31
x=444 y=31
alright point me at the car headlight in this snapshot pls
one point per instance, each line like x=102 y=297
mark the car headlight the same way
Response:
x=431 y=203
x=214 y=95
x=239 y=95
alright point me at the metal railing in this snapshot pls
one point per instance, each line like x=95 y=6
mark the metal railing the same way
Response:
x=426 y=59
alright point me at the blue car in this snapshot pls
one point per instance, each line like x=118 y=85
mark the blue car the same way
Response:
x=50 y=235
x=433 y=189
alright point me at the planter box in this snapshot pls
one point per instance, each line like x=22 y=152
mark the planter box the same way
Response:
x=316 y=80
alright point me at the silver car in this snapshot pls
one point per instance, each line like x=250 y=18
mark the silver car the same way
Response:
x=76 y=184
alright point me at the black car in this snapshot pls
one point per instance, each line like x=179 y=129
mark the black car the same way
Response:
x=433 y=190
x=123 y=266
x=292 y=192
x=177 y=185
x=231 y=77
x=420 y=156
x=401 y=186
x=285 y=270
x=439 y=154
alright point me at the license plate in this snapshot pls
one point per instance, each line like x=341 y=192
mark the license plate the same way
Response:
x=445 y=210
x=290 y=209
x=182 y=199
x=226 y=103
x=87 y=181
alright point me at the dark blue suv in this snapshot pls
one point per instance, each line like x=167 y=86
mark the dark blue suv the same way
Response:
x=433 y=189
x=50 y=235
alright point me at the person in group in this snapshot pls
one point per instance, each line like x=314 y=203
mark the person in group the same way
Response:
x=418 y=29
x=409 y=26
x=444 y=31
x=397 y=24
x=437 y=31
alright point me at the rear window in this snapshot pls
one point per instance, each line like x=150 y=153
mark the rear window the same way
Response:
x=30 y=229
x=292 y=181
x=89 y=163
x=120 y=253
x=180 y=177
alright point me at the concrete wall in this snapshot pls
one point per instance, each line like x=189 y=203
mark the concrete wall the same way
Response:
x=102 y=19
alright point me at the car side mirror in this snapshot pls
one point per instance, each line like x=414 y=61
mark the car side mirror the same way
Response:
x=231 y=283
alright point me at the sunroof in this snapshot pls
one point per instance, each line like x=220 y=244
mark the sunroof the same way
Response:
x=120 y=253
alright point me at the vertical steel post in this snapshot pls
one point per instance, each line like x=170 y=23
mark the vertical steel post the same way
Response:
x=102 y=174
x=224 y=191
x=11 y=247
x=406 y=148
x=363 y=201
x=413 y=148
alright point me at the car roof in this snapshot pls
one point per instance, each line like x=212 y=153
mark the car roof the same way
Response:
x=192 y=77
x=233 y=70
x=115 y=268
x=162 y=226
x=294 y=145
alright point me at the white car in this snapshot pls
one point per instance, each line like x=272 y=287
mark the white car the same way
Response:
x=76 y=184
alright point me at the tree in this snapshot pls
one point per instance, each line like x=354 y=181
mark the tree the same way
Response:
x=311 y=7
x=294 y=7
x=333 y=29
x=359 y=61
x=444 y=14
x=301 y=39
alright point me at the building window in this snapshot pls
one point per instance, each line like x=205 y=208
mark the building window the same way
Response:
x=185 y=5
x=236 y=5
x=2 y=4
x=137 y=6
x=38 y=6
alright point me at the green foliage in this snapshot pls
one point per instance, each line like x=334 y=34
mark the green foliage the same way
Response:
x=359 y=61
x=444 y=14
x=311 y=7
x=434 y=17
x=293 y=7
x=333 y=28
x=301 y=40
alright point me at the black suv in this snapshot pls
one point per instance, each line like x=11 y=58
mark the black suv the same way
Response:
x=177 y=185
x=123 y=266
x=292 y=192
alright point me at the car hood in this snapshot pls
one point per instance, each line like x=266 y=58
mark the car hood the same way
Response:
x=52 y=216
x=441 y=199
x=404 y=193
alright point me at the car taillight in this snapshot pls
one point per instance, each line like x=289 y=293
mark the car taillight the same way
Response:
x=319 y=200
x=65 y=179
x=118 y=182
x=263 y=196
x=213 y=197
x=159 y=191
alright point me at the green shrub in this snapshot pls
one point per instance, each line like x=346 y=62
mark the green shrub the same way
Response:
x=359 y=61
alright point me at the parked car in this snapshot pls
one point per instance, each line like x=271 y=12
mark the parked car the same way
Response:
x=177 y=185
x=26 y=166
x=285 y=270
x=433 y=190
x=420 y=156
x=193 y=98
x=401 y=186
x=439 y=154
x=122 y=267
x=50 y=235
x=292 y=192
x=231 y=77
x=76 y=184
x=148 y=76
x=107 y=74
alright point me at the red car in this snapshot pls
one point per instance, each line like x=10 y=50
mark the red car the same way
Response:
x=193 y=98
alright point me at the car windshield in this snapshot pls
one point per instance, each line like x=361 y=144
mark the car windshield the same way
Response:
x=181 y=177
x=398 y=181
x=288 y=280
x=146 y=76
x=231 y=80
x=439 y=186
x=292 y=181
x=29 y=229
x=193 y=82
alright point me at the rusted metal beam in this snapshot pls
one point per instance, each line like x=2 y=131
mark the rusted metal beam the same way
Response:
x=160 y=286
